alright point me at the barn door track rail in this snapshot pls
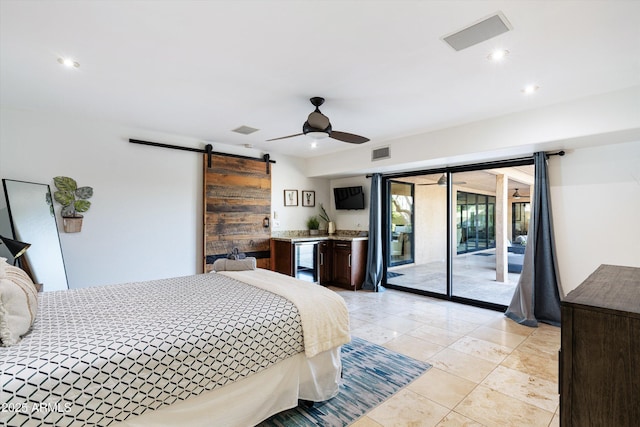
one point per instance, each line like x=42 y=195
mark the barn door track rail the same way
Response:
x=208 y=150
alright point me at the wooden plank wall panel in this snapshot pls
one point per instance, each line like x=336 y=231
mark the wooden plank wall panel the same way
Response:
x=237 y=198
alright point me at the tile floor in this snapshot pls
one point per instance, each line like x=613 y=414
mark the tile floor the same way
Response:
x=487 y=370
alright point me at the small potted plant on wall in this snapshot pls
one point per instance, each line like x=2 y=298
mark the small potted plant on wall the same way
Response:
x=73 y=200
x=331 y=227
x=313 y=225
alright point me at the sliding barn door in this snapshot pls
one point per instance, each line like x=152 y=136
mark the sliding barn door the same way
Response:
x=237 y=199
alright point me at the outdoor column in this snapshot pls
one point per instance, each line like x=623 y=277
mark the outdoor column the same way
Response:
x=502 y=260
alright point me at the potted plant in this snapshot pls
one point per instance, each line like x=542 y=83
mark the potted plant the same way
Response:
x=331 y=227
x=73 y=200
x=313 y=225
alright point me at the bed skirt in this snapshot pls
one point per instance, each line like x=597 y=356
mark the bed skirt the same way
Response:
x=249 y=401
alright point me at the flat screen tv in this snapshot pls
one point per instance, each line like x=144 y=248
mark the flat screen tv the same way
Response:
x=349 y=197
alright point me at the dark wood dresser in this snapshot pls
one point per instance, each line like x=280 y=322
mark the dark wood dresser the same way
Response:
x=600 y=350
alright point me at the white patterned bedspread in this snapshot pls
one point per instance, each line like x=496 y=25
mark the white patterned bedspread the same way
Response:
x=98 y=355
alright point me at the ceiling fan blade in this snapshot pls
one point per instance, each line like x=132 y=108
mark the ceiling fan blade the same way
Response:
x=348 y=137
x=284 y=137
x=318 y=120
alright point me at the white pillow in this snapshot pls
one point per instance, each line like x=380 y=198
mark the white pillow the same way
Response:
x=18 y=303
x=224 y=264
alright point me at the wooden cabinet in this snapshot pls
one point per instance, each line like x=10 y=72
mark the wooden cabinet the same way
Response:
x=349 y=263
x=600 y=350
x=282 y=257
x=340 y=262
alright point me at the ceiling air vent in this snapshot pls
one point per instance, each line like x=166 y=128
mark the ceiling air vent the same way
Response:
x=380 y=153
x=245 y=130
x=478 y=32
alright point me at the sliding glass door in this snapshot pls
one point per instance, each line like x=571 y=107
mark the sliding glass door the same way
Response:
x=462 y=234
x=426 y=268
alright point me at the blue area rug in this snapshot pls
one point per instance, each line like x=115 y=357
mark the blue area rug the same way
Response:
x=371 y=374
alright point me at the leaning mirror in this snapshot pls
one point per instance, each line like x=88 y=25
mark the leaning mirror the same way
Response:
x=33 y=221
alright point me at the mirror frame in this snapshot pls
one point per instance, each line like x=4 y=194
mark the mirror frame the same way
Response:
x=31 y=263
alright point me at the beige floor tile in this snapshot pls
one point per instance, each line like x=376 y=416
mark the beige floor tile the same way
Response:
x=365 y=422
x=452 y=324
x=540 y=344
x=496 y=336
x=370 y=314
x=527 y=388
x=508 y=325
x=453 y=419
x=462 y=364
x=414 y=347
x=539 y=365
x=494 y=409
x=436 y=335
x=480 y=348
x=375 y=333
x=407 y=408
x=442 y=387
x=397 y=323
x=355 y=323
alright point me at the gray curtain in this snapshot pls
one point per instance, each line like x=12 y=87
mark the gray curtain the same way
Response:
x=537 y=296
x=373 y=274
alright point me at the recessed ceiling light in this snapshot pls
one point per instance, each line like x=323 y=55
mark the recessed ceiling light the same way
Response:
x=498 y=55
x=67 y=62
x=530 y=89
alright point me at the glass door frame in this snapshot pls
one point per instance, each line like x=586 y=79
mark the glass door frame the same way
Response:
x=389 y=229
x=386 y=224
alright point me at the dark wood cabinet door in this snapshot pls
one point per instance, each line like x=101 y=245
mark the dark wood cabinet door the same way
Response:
x=342 y=264
x=282 y=257
x=326 y=273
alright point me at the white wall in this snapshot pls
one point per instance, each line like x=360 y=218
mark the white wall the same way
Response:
x=351 y=219
x=146 y=217
x=289 y=174
x=603 y=119
x=595 y=197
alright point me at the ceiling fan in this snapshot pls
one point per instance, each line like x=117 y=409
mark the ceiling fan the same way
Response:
x=443 y=181
x=318 y=126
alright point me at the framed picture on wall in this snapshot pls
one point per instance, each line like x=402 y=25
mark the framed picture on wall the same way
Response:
x=308 y=198
x=291 y=197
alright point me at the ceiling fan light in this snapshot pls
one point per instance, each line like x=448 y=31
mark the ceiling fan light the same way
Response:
x=516 y=195
x=317 y=135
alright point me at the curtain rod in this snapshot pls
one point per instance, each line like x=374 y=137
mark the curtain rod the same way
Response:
x=207 y=150
x=474 y=166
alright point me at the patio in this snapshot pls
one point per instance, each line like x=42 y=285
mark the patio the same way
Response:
x=474 y=277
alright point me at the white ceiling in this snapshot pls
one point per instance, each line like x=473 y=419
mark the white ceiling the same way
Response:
x=203 y=68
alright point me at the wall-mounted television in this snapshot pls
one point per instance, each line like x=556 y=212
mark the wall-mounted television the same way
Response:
x=349 y=197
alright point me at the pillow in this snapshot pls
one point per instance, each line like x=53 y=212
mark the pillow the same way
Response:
x=224 y=264
x=18 y=303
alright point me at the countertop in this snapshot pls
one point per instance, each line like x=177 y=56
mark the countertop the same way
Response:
x=320 y=238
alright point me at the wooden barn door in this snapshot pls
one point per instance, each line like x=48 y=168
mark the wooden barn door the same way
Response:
x=237 y=199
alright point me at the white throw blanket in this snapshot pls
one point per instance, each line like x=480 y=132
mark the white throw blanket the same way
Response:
x=324 y=314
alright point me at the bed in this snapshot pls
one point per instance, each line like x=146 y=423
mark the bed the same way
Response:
x=227 y=348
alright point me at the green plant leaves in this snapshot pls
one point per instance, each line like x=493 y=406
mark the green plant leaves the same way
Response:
x=68 y=211
x=82 y=205
x=65 y=183
x=84 y=192
x=65 y=198
x=67 y=193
